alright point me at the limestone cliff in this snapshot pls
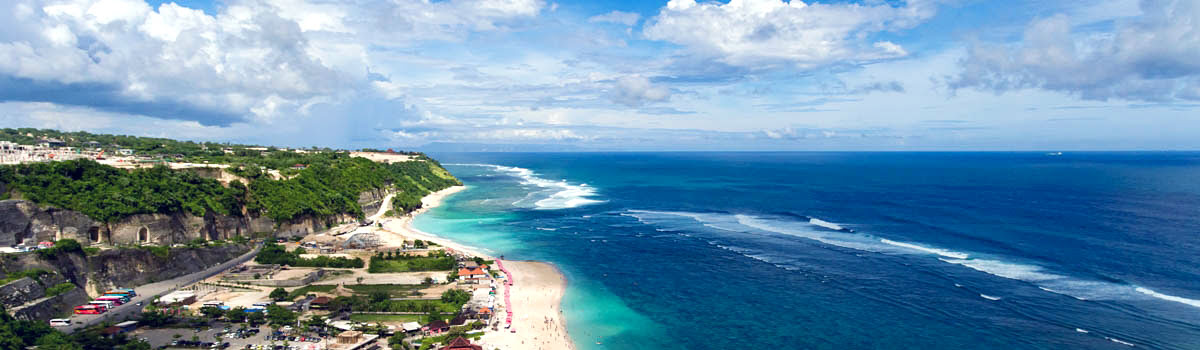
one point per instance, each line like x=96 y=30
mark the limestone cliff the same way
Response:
x=23 y=221
x=92 y=275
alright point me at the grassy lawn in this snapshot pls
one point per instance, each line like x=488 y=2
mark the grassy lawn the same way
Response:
x=410 y=264
x=309 y=289
x=395 y=290
x=387 y=318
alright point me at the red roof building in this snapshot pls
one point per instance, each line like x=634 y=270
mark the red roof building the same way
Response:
x=461 y=343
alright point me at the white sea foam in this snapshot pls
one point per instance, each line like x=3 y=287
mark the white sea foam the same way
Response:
x=546 y=229
x=942 y=252
x=825 y=224
x=988 y=297
x=1029 y=273
x=563 y=194
x=1083 y=289
x=839 y=239
x=1118 y=341
x=1162 y=296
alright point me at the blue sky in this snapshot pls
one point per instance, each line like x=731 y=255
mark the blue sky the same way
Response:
x=622 y=75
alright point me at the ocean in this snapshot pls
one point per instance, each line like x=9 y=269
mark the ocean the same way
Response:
x=848 y=250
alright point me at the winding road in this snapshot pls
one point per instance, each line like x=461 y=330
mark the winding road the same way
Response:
x=148 y=292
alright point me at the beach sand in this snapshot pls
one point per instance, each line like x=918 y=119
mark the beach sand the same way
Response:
x=536 y=293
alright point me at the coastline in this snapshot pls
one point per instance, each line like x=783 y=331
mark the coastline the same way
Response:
x=536 y=292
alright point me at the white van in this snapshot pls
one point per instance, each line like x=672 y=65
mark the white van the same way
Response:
x=60 y=322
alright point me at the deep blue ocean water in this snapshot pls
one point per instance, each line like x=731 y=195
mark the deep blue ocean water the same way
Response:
x=849 y=250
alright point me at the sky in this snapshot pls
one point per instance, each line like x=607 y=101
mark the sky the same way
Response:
x=881 y=75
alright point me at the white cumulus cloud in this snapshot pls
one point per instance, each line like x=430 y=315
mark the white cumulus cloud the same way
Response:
x=637 y=90
x=618 y=17
x=1154 y=57
x=757 y=33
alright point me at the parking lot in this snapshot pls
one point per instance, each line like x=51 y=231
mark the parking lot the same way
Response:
x=263 y=339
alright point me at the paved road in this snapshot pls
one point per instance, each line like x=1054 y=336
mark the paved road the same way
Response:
x=132 y=309
x=383 y=207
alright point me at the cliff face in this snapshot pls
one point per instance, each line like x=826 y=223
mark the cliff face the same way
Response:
x=92 y=275
x=23 y=221
x=132 y=267
x=371 y=200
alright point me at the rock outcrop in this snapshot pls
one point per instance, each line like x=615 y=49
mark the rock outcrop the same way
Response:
x=26 y=298
x=92 y=275
x=50 y=307
x=22 y=221
x=133 y=267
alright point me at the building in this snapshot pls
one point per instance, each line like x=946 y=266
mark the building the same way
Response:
x=127 y=326
x=472 y=275
x=125 y=152
x=48 y=143
x=320 y=303
x=461 y=343
x=178 y=298
x=411 y=327
x=354 y=340
x=437 y=327
x=349 y=337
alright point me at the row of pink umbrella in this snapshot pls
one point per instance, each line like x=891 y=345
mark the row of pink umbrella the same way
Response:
x=507 y=284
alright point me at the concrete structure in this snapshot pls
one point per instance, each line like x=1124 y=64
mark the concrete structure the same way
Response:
x=177 y=298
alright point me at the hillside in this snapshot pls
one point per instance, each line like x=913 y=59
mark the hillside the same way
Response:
x=316 y=189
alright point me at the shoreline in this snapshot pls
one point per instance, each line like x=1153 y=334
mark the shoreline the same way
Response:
x=536 y=293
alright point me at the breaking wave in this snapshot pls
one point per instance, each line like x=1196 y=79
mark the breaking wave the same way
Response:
x=553 y=194
x=942 y=252
x=834 y=235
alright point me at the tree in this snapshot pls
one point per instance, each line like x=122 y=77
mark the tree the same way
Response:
x=380 y=296
x=57 y=341
x=236 y=315
x=154 y=319
x=359 y=279
x=428 y=281
x=135 y=345
x=456 y=296
x=279 y=294
x=315 y=322
x=280 y=316
x=256 y=318
x=211 y=312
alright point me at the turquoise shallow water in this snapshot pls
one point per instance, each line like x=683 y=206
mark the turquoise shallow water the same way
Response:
x=481 y=217
x=849 y=250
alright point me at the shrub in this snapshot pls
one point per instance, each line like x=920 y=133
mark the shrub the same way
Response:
x=59 y=289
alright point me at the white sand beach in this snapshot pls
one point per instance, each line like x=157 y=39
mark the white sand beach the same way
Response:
x=536 y=293
x=538 y=321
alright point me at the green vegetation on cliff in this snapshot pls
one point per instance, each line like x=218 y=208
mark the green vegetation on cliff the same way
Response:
x=327 y=189
x=106 y=193
x=329 y=184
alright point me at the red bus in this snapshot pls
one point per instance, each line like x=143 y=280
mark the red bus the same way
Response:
x=89 y=309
